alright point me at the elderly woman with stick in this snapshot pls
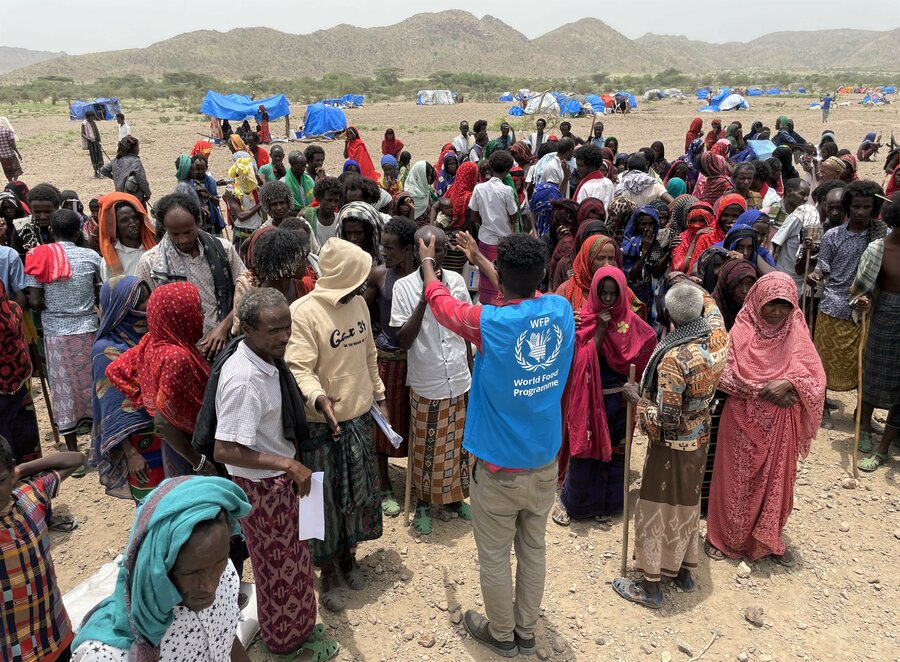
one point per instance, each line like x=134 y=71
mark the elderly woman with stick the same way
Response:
x=673 y=407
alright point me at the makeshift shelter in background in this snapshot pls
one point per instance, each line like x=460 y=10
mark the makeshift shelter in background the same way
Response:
x=346 y=101
x=708 y=109
x=773 y=90
x=734 y=102
x=506 y=96
x=801 y=90
x=542 y=103
x=434 y=98
x=628 y=95
x=674 y=92
x=596 y=103
x=653 y=95
x=702 y=92
x=575 y=105
x=238 y=107
x=322 y=121
x=516 y=111
x=105 y=108
x=754 y=92
x=890 y=89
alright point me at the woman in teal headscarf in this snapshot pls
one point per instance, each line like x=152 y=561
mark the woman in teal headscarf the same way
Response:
x=676 y=186
x=176 y=596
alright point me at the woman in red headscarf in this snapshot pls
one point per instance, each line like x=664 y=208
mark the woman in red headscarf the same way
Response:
x=776 y=390
x=726 y=211
x=355 y=150
x=610 y=338
x=694 y=132
x=714 y=134
x=700 y=221
x=391 y=146
x=166 y=374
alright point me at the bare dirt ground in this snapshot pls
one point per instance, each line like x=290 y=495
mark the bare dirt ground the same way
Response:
x=839 y=603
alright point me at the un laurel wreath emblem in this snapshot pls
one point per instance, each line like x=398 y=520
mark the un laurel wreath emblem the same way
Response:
x=537 y=342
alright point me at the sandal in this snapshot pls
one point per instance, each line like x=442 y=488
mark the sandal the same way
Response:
x=713 y=552
x=389 y=504
x=330 y=593
x=872 y=462
x=461 y=509
x=686 y=583
x=827 y=423
x=80 y=472
x=633 y=591
x=422 y=521
x=786 y=560
x=321 y=650
x=560 y=516
x=62 y=523
x=865 y=442
x=353 y=574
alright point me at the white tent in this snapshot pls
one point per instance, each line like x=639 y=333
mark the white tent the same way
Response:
x=542 y=103
x=434 y=98
x=734 y=102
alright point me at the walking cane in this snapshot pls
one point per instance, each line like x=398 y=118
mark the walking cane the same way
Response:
x=805 y=286
x=859 y=376
x=629 y=434
x=407 y=495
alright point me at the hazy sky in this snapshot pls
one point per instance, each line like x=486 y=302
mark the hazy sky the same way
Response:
x=81 y=27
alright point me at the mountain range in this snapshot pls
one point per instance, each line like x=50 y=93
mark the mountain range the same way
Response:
x=457 y=41
x=16 y=58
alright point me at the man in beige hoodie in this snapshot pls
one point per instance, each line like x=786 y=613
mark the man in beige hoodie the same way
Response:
x=333 y=358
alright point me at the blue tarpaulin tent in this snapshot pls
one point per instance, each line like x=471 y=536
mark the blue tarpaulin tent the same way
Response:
x=570 y=108
x=323 y=121
x=754 y=92
x=631 y=100
x=890 y=89
x=516 y=111
x=506 y=97
x=104 y=108
x=720 y=97
x=596 y=103
x=774 y=90
x=239 y=107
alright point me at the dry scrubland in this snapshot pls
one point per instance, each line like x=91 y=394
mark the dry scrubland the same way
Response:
x=839 y=603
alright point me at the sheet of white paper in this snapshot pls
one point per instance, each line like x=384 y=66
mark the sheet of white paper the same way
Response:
x=392 y=436
x=312 y=510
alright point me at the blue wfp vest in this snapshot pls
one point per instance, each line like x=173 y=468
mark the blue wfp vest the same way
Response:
x=514 y=416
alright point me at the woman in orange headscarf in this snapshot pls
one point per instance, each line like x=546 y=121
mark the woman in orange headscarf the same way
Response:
x=124 y=232
x=355 y=149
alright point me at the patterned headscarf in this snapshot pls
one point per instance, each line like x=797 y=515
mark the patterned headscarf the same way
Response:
x=369 y=216
x=166 y=372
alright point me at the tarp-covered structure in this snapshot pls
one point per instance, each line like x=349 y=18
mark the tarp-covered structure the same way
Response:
x=104 y=108
x=597 y=103
x=542 y=103
x=506 y=96
x=755 y=92
x=346 y=101
x=435 y=98
x=733 y=102
x=575 y=105
x=239 y=107
x=323 y=121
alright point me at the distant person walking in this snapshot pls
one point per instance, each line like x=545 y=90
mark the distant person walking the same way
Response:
x=124 y=129
x=10 y=157
x=827 y=100
x=90 y=140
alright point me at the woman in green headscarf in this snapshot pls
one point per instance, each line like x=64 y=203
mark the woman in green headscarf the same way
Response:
x=183 y=173
x=419 y=186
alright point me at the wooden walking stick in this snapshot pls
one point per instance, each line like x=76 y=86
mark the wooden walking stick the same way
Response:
x=407 y=495
x=629 y=434
x=859 y=370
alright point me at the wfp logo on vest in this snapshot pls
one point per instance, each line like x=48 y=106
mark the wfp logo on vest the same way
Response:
x=538 y=348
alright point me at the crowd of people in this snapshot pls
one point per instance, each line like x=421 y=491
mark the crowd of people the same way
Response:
x=501 y=317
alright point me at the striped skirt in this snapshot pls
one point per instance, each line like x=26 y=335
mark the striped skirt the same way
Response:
x=837 y=342
x=282 y=567
x=350 y=489
x=667 y=515
x=881 y=366
x=392 y=370
x=440 y=465
x=71 y=384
